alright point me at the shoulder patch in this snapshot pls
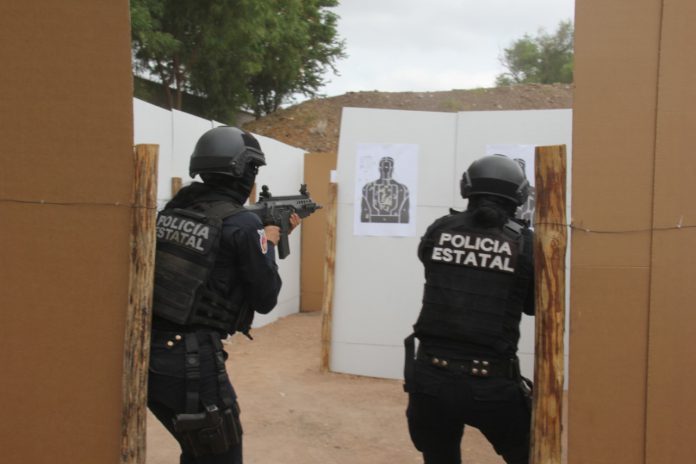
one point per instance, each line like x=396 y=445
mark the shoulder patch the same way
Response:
x=263 y=241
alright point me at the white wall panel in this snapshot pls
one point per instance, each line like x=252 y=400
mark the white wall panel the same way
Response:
x=283 y=174
x=187 y=128
x=476 y=129
x=378 y=281
x=432 y=132
x=153 y=125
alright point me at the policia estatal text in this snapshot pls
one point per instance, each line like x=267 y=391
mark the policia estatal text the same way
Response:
x=215 y=265
x=478 y=281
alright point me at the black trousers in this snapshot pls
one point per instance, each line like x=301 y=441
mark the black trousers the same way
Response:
x=167 y=389
x=441 y=403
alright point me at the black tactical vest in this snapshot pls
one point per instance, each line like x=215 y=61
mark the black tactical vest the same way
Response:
x=476 y=283
x=187 y=245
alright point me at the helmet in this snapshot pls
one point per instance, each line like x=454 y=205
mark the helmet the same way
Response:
x=225 y=150
x=495 y=175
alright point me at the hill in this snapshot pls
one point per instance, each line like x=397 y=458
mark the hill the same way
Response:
x=314 y=125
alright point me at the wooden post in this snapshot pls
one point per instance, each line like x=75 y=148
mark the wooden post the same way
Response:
x=176 y=185
x=138 y=317
x=329 y=267
x=549 y=265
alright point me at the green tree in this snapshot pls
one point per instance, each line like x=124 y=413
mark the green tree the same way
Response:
x=301 y=46
x=223 y=50
x=544 y=59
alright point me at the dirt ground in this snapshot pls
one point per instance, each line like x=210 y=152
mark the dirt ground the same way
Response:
x=293 y=414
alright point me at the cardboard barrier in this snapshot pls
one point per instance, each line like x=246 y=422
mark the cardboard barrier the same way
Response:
x=632 y=289
x=66 y=179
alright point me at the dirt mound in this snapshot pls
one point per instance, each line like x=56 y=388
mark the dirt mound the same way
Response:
x=314 y=125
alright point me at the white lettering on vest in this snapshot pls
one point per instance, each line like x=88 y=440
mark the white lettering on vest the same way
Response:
x=473 y=250
x=183 y=232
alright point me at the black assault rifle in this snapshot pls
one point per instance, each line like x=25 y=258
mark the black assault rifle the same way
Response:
x=277 y=211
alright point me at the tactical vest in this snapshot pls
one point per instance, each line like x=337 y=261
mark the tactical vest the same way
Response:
x=476 y=283
x=187 y=245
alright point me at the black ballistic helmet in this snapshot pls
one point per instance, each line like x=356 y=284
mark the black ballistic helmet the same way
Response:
x=225 y=150
x=495 y=175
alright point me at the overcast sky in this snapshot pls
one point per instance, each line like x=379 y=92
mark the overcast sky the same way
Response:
x=422 y=45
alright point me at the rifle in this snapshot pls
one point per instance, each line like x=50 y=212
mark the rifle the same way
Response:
x=277 y=211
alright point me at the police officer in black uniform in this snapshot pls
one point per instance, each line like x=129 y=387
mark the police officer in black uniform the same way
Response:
x=215 y=266
x=478 y=281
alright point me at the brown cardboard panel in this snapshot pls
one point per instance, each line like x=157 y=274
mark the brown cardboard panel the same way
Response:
x=64 y=296
x=318 y=167
x=671 y=378
x=671 y=406
x=65 y=87
x=608 y=347
x=675 y=164
x=614 y=118
x=66 y=131
x=611 y=250
x=616 y=50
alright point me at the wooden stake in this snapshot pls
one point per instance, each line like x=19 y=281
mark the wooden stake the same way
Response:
x=549 y=265
x=138 y=317
x=176 y=185
x=329 y=268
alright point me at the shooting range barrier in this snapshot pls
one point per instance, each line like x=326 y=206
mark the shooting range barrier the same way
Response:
x=66 y=220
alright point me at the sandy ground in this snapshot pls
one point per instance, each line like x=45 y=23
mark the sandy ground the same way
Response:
x=292 y=413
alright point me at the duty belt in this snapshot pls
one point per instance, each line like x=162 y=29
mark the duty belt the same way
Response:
x=170 y=338
x=476 y=367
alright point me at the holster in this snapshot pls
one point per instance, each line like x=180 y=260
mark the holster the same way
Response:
x=209 y=432
x=527 y=387
x=212 y=431
x=409 y=360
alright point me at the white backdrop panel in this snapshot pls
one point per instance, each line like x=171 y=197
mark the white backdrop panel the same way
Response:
x=283 y=173
x=187 y=128
x=153 y=125
x=432 y=132
x=475 y=130
x=378 y=281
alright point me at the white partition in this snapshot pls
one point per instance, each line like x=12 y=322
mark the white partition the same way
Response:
x=283 y=174
x=176 y=134
x=153 y=124
x=378 y=281
x=186 y=129
x=476 y=130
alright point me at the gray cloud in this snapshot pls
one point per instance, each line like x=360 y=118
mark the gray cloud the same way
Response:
x=419 y=45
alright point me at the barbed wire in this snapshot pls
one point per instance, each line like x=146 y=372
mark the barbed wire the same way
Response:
x=572 y=225
x=76 y=203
